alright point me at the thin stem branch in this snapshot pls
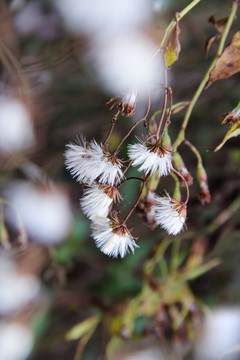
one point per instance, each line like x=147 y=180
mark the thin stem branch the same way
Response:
x=126 y=168
x=194 y=150
x=164 y=104
x=133 y=127
x=130 y=178
x=114 y=120
x=19 y=70
x=186 y=185
x=167 y=121
x=181 y=134
x=138 y=199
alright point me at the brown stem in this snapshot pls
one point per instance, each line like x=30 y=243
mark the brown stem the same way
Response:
x=187 y=189
x=130 y=178
x=133 y=127
x=164 y=104
x=114 y=119
x=126 y=169
x=138 y=199
x=169 y=112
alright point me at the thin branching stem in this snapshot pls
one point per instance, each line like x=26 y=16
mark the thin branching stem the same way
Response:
x=194 y=150
x=130 y=178
x=138 y=199
x=167 y=121
x=133 y=127
x=186 y=185
x=114 y=120
x=164 y=104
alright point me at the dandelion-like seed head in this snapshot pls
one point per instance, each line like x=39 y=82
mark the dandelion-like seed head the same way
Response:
x=170 y=214
x=98 y=199
x=151 y=157
x=89 y=162
x=112 y=237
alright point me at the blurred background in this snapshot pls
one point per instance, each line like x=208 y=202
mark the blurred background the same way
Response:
x=60 y=297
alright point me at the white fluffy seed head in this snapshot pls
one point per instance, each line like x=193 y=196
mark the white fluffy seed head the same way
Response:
x=126 y=62
x=16 y=130
x=112 y=241
x=16 y=289
x=16 y=341
x=87 y=162
x=96 y=202
x=44 y=211
x=170 y=214
x=151 y=161
x=105 y=17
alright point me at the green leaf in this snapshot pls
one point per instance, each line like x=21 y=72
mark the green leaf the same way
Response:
x=83 y=328
x=233 y=132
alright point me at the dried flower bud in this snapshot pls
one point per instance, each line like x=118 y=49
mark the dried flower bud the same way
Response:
x=128 y=104
x=204 y=194
x=147 y=211
x=232 y=117
x=181 y=167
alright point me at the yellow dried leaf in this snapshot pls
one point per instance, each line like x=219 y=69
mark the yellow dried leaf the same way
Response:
x=233 y=132
x=83 y=328
x=173 y=47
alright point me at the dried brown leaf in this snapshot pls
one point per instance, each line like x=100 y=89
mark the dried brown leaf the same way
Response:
x=228 y=63
x=218 y=24
x=209 y=43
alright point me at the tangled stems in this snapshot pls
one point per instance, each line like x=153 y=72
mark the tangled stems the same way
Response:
x=181 y=134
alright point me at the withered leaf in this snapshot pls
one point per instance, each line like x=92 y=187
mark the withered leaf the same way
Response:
x=209 y=42
x=173 y=47
x=218 y=24
x=233 y=132
x=228 y=63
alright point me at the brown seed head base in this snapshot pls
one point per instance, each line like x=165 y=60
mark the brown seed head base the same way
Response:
x=179 y=207
x=126 y=108
x=111 y=192
x=158 y=149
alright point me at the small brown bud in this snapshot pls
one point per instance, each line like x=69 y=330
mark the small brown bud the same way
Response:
x=204 y=193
